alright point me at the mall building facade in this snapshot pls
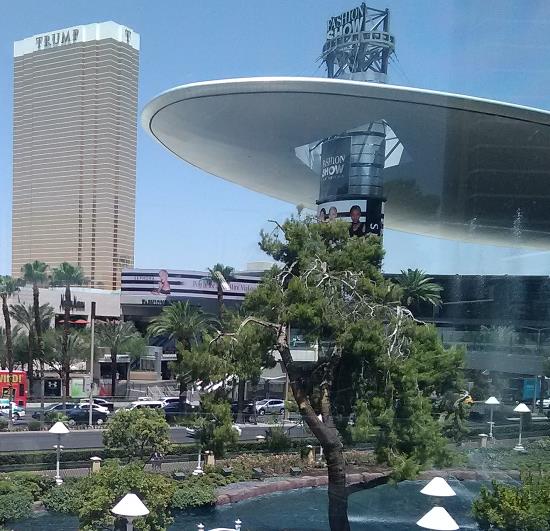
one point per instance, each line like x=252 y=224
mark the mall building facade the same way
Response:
x=501 y=322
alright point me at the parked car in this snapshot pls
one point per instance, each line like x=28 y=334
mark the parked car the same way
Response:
x=100 y=402
x=271 y=405
x=248 y=409
x=170 y=400
x=80 y=415
x=17 y=411
x=146 y=404
x=95 y=407
x=55 y=408
x=545 y=403
x=176 y=408
x=195 y=433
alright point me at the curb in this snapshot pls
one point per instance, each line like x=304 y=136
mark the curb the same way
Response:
x=252 y=491
x=247 y=492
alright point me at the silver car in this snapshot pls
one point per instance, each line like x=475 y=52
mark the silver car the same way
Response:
x=270 y=405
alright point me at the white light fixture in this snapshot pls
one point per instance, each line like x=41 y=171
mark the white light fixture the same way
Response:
x=130 y=507
x=439 y=488
x=438 y=519
x=521 y=409
x=491 y=401
x=58 y=429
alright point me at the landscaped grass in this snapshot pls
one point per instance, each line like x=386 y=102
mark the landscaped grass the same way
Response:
x=536 y=457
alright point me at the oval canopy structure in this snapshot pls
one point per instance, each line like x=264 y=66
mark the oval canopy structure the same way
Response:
x=456 y=167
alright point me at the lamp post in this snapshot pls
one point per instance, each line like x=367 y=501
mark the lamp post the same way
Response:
x=92 y=345
x=58 y=429
x=491 y=401
x=438 y=518
x=130 y=507
x=521 y=409
x=198 y=470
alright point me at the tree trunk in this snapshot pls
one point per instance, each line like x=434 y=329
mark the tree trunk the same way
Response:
x=65 y=343
x=240 y=399
x=41 y=390
x=183 y=386
x=9 y=351
x=30 y=362
x=220 y=305
x=39 y=343
x=113 y=372
x=324 y=430
x=337 y=490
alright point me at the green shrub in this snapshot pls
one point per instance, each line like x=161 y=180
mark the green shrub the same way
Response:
x=15 y=506
x=194 y=493
x=7 y=487
x=34 y=425
x=277 y=440
x=3 y=424
x=55 y=416
x=98 y=493
x=37 y=485
x=291 y=406
x=511 y=508
x=62 y=499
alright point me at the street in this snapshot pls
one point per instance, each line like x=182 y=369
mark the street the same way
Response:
x=35 y=440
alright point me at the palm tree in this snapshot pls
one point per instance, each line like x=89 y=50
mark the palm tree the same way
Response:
x=64 y=351
x=8 y=286
x=66 y=275
x=221 y=276
x=3 y=360
x=118 y=336
x=35 y=273
x=24 y=315
x=418 y=288
x=184 y=323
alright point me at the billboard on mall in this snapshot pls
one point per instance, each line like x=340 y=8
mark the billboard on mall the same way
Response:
x=156 y=287
x=335 y=164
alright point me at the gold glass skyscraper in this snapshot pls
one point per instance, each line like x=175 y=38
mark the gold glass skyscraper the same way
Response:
x=74 y=150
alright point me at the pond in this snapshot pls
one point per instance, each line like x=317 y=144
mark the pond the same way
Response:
x=394 y=508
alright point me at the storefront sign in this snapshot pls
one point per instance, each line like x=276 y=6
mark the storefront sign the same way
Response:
x=15 y=378
x=75 y=304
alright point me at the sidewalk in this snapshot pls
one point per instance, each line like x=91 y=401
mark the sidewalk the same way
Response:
x=170 y=466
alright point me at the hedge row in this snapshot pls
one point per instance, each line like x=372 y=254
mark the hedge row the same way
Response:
x=68 y=456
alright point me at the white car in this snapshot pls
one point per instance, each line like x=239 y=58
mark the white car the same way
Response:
x=16 y=411
x=545 y=403
x=146 y=404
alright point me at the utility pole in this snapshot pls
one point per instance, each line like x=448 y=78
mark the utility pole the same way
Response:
x=92 y=324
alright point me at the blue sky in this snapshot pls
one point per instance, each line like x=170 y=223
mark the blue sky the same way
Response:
x=494 y=49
